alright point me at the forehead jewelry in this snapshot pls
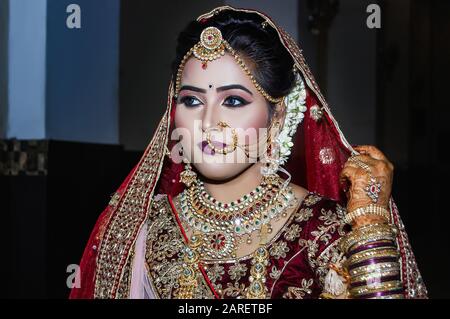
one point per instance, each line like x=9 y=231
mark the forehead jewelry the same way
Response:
x=211 y=47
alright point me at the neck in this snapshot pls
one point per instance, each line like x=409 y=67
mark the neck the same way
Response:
x=235 y=188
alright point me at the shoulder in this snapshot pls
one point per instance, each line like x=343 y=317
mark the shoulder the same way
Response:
x=323 y=227
x=320 y=217
x=319 y=204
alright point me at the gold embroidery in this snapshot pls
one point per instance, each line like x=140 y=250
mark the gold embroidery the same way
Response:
x=235 y=290
x=114 y=200
x=275 y=273
x=123 y=291
x=313 y=199
x=279 y=249
x=331 y=223
x=215 y=272
x=293 y=232
x=303 y=215
x=237 y=271
x=126 y=219
x=299 y=292
x=165 y=252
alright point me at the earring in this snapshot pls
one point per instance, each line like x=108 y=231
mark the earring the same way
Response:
x=187 y=176
x=270 y=161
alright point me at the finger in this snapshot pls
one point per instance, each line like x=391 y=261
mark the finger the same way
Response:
x=374 y=161
x=366 y=159
x=348 y=172
x=372 y=151
x=354 y=165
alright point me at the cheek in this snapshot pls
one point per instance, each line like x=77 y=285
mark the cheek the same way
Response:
x=179 y=120
x=184 y=118
x=255 y=117
x=184 y=122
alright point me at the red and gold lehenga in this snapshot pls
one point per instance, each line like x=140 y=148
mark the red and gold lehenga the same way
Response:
x=136 y=247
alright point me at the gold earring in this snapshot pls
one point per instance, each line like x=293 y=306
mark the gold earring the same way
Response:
x=188 y=176
x=270 y=168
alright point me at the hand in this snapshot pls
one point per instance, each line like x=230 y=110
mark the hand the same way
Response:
x=380 y=168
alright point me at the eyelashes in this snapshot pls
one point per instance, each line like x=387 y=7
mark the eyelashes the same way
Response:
x=231 y=101
x=190 y=101
x=235 y=101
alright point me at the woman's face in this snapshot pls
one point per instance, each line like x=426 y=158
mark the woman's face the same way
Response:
x=221 y=92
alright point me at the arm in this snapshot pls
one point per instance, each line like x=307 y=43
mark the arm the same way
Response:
x=372 y=268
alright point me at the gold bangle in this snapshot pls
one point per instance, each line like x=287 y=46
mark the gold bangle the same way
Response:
x=385 y=242
x=358 y=241
x=369 y=254
x=366 y=234
x=367 y=210
x=369 y=269
x=396 y=296
x=372 y=276
x=378 y=287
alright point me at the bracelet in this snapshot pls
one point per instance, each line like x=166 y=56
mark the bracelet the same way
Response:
x=368 y=254
x=367 y=210
x=374 y=261
x=367 y=234
x=382 y=287
x=372 y=245
x=375 y=275
x=381 y=267
x=387 y=296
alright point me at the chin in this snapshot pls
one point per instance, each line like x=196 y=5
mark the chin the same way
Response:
x=220 y=172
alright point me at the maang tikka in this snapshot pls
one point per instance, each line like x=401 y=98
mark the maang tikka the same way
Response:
x=211 y=47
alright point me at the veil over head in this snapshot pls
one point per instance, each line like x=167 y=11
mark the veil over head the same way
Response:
x=319 y=153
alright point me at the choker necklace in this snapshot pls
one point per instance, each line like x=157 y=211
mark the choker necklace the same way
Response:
x=219 y=227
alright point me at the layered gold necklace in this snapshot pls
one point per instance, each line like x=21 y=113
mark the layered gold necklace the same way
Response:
x=218 y=228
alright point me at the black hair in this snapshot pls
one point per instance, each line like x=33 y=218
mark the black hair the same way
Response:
x=270 y=62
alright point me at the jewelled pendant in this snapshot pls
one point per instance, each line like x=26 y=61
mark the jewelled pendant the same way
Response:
x=373 y=189
x=218 y=244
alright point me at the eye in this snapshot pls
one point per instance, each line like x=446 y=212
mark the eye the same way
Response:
x=235 y=101
x=190 y=101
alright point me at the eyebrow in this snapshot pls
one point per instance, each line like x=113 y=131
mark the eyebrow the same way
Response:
x=233 y=86
x=219 y=89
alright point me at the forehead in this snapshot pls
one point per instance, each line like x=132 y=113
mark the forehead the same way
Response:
x=223 y=71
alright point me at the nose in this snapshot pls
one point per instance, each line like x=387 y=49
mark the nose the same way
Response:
x=209 y=117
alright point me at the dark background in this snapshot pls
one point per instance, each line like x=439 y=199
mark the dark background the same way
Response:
x=50 y=204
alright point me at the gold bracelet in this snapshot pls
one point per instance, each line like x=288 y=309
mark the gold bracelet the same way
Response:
x=366 y=234
x=396 y=296
x=369 y=269
x=379 y=287
x=369 y=254
x=375 y=275
x=367 y=210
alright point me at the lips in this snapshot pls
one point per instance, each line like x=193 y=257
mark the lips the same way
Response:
x=204 y=146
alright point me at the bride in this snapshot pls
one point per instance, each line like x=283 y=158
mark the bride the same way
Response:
x=248 y=188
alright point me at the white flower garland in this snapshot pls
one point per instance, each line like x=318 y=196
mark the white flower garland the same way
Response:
x=295 y=103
